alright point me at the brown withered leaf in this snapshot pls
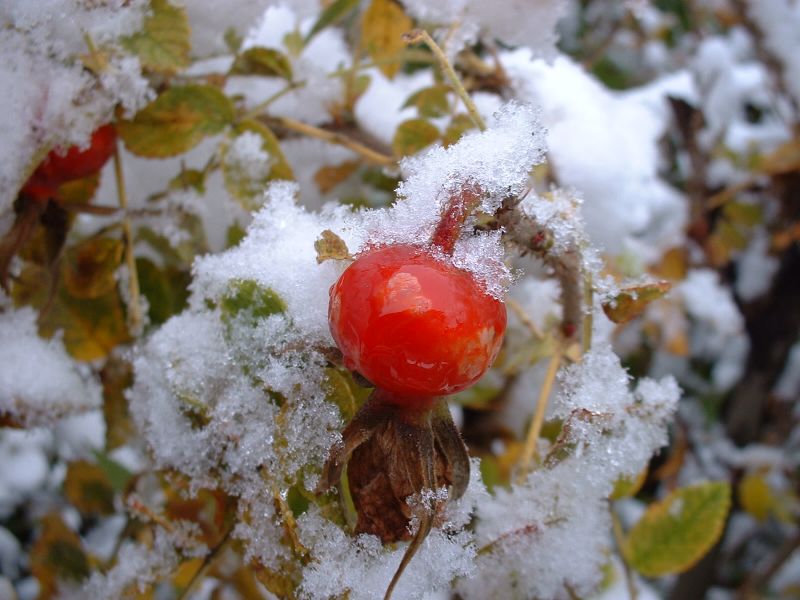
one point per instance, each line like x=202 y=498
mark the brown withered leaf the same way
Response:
x=57 y=555
x=87 y=487
x=331 y=246
x=631 y=302
x=328 y=177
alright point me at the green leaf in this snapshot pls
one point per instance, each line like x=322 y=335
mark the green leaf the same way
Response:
x=265 y=62
x=248 y=297
x=430 y=102
x=331 y=246
x=382 y=27
x=342 y=390
x=166 y=290
x=412 y=136
x=334 y=12
x=177 y=121
x=164 y=42
x=674 y=533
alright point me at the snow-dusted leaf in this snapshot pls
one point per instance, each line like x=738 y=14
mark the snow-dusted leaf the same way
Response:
x=627 y=487
x=177 y=121
x=164 y=43
x=247 y=297
x=413 y=135
x=632 y=301
x=674 y=533
x=331 y=246
x=266 y=62
x=382 y=27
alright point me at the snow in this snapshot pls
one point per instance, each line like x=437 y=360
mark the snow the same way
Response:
x=325 y=53
x=779 y=22
x=553 y=529
x=516 y=22
x=49 y=99
x=605 y=145
x=39 y=382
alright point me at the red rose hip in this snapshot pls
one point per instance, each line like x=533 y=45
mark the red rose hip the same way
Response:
x=413 y=324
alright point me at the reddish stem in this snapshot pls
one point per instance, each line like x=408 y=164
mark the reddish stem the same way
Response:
x=458 y=208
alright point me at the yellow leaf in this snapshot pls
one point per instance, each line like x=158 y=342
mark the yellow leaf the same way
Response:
x=90 y=267
x=674 y=533
x=92 y=327
x=459 y=125
x=329 y=177
x=412 y=136
x=176 y=121
x=57 y=555
x=164 y=42
x=627 y=487
x=382 y=27
x=87 y=487
x=631 y=302
x=756 y=496
x=331 y=246
x=784 y=159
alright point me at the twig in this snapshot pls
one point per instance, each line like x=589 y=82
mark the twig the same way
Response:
x=524 y=231
x=334 y=138
x=529 y=452
x=262 y=106
x=760 y=578
x=208 y=562
x=135 y=318
x=420 y=35
x=517 y=309
x=619 y=539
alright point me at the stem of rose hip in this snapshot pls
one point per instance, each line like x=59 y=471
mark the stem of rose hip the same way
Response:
x=460 y=206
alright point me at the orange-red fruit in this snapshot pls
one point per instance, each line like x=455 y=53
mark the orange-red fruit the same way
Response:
x=413 y=324
x=58 y=168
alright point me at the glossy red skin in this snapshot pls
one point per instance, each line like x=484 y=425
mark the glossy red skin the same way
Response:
x=58 y=168
x=414 y=325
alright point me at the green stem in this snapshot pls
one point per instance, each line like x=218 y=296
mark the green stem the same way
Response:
x=135 y=317
x=420 y=35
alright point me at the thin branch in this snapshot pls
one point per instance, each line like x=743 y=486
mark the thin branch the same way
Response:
x=262 y=106
x=517 y=309
x=420 y=35
x=760 y=578
x=208 y=562
x=529 y=452
x=135 y=317
x=334 y=138
x=619 y=539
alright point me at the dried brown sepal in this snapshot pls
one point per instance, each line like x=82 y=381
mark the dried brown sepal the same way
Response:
x=397 y=456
